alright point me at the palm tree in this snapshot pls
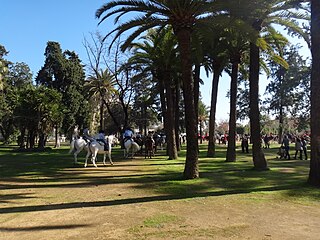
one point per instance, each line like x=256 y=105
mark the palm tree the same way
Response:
x=259 y=16
x=314 y=174
x=217 y=58
x=102 y=86
x=157 y=54
x=203 y=115
x=266 y=13
x=182 y=15
x=237 y=44
x=3 y=66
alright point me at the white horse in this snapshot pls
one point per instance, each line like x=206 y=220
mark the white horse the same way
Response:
x=95 y=148
x=79 y=144
x=76 y=146
x=130 y=146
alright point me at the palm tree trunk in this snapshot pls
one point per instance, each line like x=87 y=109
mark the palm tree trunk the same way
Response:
x=163 y=104
x=314 y=174
x=196 y=88
x=102 y=115
x=231 y=151
x=22 y=136
x=176 y=114
x=212 y=121
x=170 y=128
x=280 y=131
x=191 y=169
x=196 y=94
x=259 y=160
x=200 y=131
x=56 y=145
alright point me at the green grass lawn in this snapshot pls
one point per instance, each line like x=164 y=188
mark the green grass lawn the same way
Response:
x=149 y=199
x=285 y=179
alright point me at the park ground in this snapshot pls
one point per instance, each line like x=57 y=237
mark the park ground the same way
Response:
x=43 y=196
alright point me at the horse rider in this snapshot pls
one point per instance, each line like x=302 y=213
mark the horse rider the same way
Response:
x=102 y=138
x=75 y=134
x=150 y=136
x=86 y=135
x=128 y=134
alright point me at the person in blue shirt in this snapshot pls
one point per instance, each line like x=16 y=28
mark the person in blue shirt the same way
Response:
x=128 y=134
x=86 y=135
x=102 y=138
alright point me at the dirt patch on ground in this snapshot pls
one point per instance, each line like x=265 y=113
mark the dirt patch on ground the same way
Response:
x=111 y=203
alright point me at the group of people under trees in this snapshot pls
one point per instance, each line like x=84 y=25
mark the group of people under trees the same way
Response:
x=300 y=147
x=284 y=150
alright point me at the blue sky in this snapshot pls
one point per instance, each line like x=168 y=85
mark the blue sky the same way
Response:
x=27 y=26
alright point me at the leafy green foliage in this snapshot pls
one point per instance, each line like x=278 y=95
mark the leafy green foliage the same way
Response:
x=64 y=72
x=37 y=110
x=288 y=91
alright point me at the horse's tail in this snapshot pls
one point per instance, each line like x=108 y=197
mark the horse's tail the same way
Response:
x=135 y=146
x=73 y=147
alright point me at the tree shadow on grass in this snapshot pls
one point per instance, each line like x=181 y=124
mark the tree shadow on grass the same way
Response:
x=75 y=205
x=16 y=196
x=43 y=228
x=164 y=179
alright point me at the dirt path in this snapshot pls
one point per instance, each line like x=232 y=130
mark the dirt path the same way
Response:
x=112 y=203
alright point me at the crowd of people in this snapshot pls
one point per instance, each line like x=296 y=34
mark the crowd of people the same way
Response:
x=300 y=144
x=300 y=147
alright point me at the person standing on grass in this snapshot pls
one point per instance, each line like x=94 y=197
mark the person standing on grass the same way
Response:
x=285 y=144
x=245 y=143
x=304 y=147
x=298 y=148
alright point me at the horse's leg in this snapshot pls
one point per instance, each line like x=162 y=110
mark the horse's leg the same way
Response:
x=104 y=158
x=124 y=152
x=87 y=156
x=109 y=156
x=132 y=152
x=93 y=158
x=75 y=157
x=155 y=148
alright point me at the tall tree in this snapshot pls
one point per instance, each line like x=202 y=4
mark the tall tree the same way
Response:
x=182 y=15
x=36 y=112
x=217 y=57
x=275 y=11
x=283 y=90
x=64 y=72
x=3 y=65
x=158 y=52
x=260 y=15
x=102 y=86
x=203 y=116
x=314 y=174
